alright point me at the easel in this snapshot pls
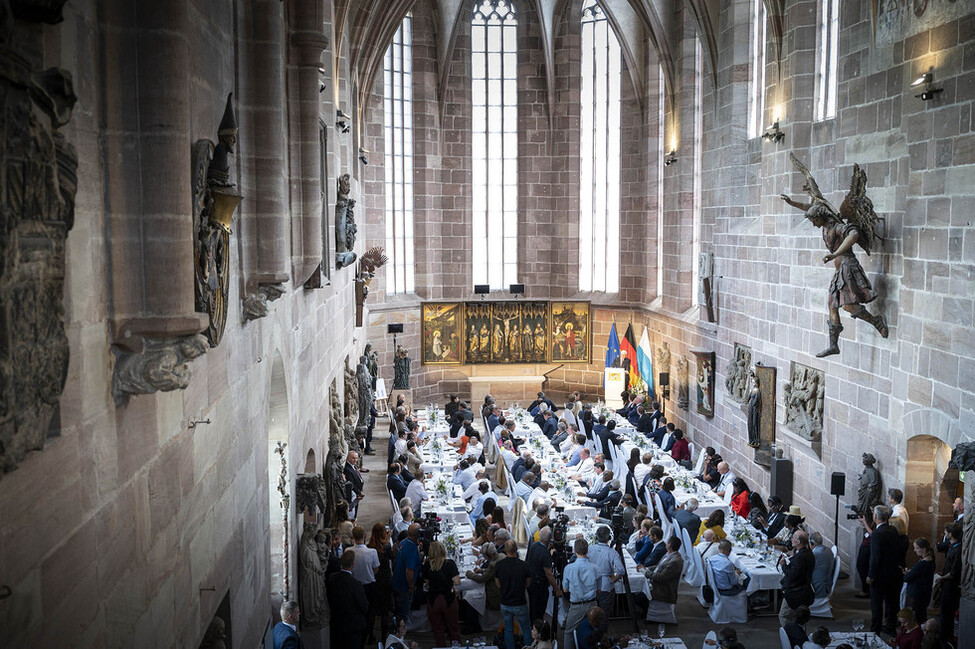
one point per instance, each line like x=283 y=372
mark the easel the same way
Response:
x=381 y=398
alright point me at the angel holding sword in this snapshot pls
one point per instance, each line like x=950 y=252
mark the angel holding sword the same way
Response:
x=856 y=223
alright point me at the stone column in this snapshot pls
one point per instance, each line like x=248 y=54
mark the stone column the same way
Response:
x=307 y=44
x=264 y=156
x=147 y=152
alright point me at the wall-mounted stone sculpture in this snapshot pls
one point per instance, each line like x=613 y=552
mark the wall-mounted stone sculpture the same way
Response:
x=401 y=368
x=371 y=261
x=373 y=357
x=870 y=486
x=36 y=213
x=256 y=304
x=308 y=494
x=311 y=580
x=345 y=228
x=736 y=379
x=215 y=200
x=804 y=399
x=855 y=223
x=162 y=366
x=364 y=379
x=705 y=272
x=683 y=388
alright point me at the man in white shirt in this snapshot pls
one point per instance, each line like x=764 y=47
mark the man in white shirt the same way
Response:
x=896 y=499
x=541 y=512
x=727 y=476
x=475 y=487
x=508 y=455
x=543 y=493
x=640 y=471
x=417 y=494
x=474 y=448
x=600 y=481
x=707 y=547
x=401 y=443
x=584 y=470
x=464 y=474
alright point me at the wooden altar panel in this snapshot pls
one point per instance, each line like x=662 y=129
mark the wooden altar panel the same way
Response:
x=506 y=332
x=705 y=383
x=766 y=386
x=571 y=331
x=441 y=333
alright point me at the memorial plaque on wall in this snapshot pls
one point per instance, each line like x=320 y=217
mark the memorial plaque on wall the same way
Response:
x=766 y=388
x=442 y=328
x=570 y=332
x=705 y=383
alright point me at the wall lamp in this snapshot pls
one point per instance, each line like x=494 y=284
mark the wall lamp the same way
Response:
x=342 y=121
x=773 y=133
x=671 y=158
x=362 y=156
x=926 y=80
x=321 y=84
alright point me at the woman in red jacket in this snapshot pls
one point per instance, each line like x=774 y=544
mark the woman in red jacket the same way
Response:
x=739 y=499
x=680 y=450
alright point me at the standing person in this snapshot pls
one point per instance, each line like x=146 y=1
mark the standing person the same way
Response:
x=579 y=584
x=920 y=579
x=884 y=576
x=364 y=571
x=797 y=572
x=347 y=602
x=539 y=560
x=950 y=580
x=665 y=577
x=286 y=631
x=513 y=578
x=609 y=568
x=442 y=577
x=381 y=605
x=405 y=572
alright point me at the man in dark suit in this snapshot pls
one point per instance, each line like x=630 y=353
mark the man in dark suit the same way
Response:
x=665 y=577
x=657 y=436
x=884 y=576
x=656 y=417
x=463 y=414
x=286 y=631
x=687 y=519
x=549 y=427
x=353 y=479
x=797 y=574
x=609 y=436
x=607 y=503
x=540 y=400
x=395 y=482
x=645 y=423
x=494 y=419
x=653 y=551
x=348 y=606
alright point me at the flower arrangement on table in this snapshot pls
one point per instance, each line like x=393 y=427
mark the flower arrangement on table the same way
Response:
x=743 y=536
x=442 y=488
x=437 y=445
x=451 y=544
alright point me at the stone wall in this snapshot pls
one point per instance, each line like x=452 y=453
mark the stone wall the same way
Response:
x=133 y=524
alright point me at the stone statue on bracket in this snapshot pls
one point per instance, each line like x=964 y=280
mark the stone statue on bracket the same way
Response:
x=870 y=486
x=365 y=395
x=804 y=400
x=683 y=387
x=855 y=223
x=351 y=411
x=753 y=410
x=373 y=357
x=737 y=373
x=162 y=366
x=401 y=367
x=311 y=580
x=36 y=213
x=338 y=450
x=215 y=199
x=345 y=227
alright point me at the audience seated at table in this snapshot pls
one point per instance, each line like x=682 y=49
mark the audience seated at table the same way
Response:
x=726 y=479
x=680 y=450
x=484 y=574
x=709 y=470
x=740 y=503
x=584 y=471
x=394 y=481
x=686 y=517
x=818 y=639
x=728 y=639
x=822 y=577
x=525 y=487
x=666 y=495
x=592 y=627
x=665 y=576
x=794 y=522
x=658 y=434
x=707 y=547
x=644 y=423
x=609 y=436
x=652 y=550
x=608 y=502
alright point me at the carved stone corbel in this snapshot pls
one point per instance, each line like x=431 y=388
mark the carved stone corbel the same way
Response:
x=256 y=303
x=161 y=366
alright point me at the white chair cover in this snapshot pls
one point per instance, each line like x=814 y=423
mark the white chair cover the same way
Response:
x=728 y=494
x=666 y=440
x=665 y=523
x=784 y=639
x=727 y=609
x=520 y=525
x=695 y=570
x=821 y=606
x=700 y=462
x=710 y=640
x=690 y=447
x=662 y=612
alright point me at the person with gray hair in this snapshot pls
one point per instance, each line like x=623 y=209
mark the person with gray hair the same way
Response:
x=286 y=631
x=541 y=513
x=562 y=433
x=501 y=537
x=485 y=574
x=823 y=572
x=609 y=568
x=688 y=520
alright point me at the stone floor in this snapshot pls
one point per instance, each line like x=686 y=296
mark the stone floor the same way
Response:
x=693 y=621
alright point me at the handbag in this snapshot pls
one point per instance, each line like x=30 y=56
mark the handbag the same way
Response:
x=706 y=591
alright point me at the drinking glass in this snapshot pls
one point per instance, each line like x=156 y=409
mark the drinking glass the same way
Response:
x=661 y=630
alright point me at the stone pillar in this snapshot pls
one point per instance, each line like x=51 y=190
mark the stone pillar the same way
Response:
x=147 y=153
x=264 y=156
x=307 y=44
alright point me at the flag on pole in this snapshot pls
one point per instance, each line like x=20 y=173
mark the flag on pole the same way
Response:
x=644 y=361
x=612 y=347
x=628 y=345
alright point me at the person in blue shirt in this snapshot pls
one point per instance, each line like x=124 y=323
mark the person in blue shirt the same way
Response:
x=579 y=584
x=726 y=572
x=493 y=420
x=484 y=505
x=653 y=551
x=405 y=572
x=609 y=568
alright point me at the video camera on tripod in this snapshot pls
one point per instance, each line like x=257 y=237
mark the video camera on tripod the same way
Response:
x=429 y=530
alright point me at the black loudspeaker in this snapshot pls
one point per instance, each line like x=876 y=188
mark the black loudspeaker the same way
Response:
x=395 y=328
x=482 y=289
x=664 y=379
x=516 y=289
x=781 y=485
x=837 y=484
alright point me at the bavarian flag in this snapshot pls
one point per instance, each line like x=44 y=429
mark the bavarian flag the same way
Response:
x=644 y=361
x=628 y=345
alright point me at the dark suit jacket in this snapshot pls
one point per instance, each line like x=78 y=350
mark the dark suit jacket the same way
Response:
x=651 y=554
x=550 y=427
x=669 y=502
x=286 y=638
x=797 y=634
x=606 y=504
x=645 y=424
x=458 y=420
x=396 y=485
x=689 y=521
x=657 y=435
x=607 y=437
x=492 y=422
x=885 y=545
x=797 y=578
x=348 y=603
x=633 y=417
x=354 y=477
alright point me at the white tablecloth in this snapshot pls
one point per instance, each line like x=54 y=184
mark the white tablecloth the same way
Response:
x=839 y=638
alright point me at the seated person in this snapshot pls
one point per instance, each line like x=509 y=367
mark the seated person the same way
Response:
x=594 y=624
x=584 y=471
x=713 y=522
x=708 y=547
x=796 y=629
x=608 y=503
x=680 y=450
x=729 y=577
x=641 y=470
x=653 y=551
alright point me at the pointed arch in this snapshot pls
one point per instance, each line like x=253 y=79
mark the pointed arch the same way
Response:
x=706 y=15
x=661 y=44
x=629 y=32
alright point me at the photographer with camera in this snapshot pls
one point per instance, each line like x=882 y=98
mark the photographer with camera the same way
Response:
x=539 y=559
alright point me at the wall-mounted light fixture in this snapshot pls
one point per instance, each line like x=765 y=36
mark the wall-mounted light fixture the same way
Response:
x=773 y=133
x=342 y=121
x=194 y=424
x=926 y=80
x=671 y=158
x=362 y=156
x=321 y=83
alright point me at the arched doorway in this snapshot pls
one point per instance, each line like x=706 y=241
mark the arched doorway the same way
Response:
x=278 y=427
x=930 y=486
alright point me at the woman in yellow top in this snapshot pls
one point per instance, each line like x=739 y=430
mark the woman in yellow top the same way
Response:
x=713 y=522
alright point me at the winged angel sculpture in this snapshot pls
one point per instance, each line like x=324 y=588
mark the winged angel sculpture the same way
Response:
x=854 y=224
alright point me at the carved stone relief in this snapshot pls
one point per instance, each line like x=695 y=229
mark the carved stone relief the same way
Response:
x=308 y=494
x=338 y=449
x=162 y=366
x=351 y=410
x=765 y=376
x=312 y=599
x=804 y=400
x=345 y=228
x=365 y=395
x=39 y=180
x=401 y=367
x=214 y=201
x=256 y=304
x=736 y=374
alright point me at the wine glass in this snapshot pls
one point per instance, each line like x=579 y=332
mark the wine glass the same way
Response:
x=661 y=630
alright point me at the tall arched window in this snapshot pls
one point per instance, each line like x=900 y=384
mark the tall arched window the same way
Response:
x=599 y=150
x=756 y=91
x=494 y=143
x=827 y=44
x=398 y=126
x=698 y=166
